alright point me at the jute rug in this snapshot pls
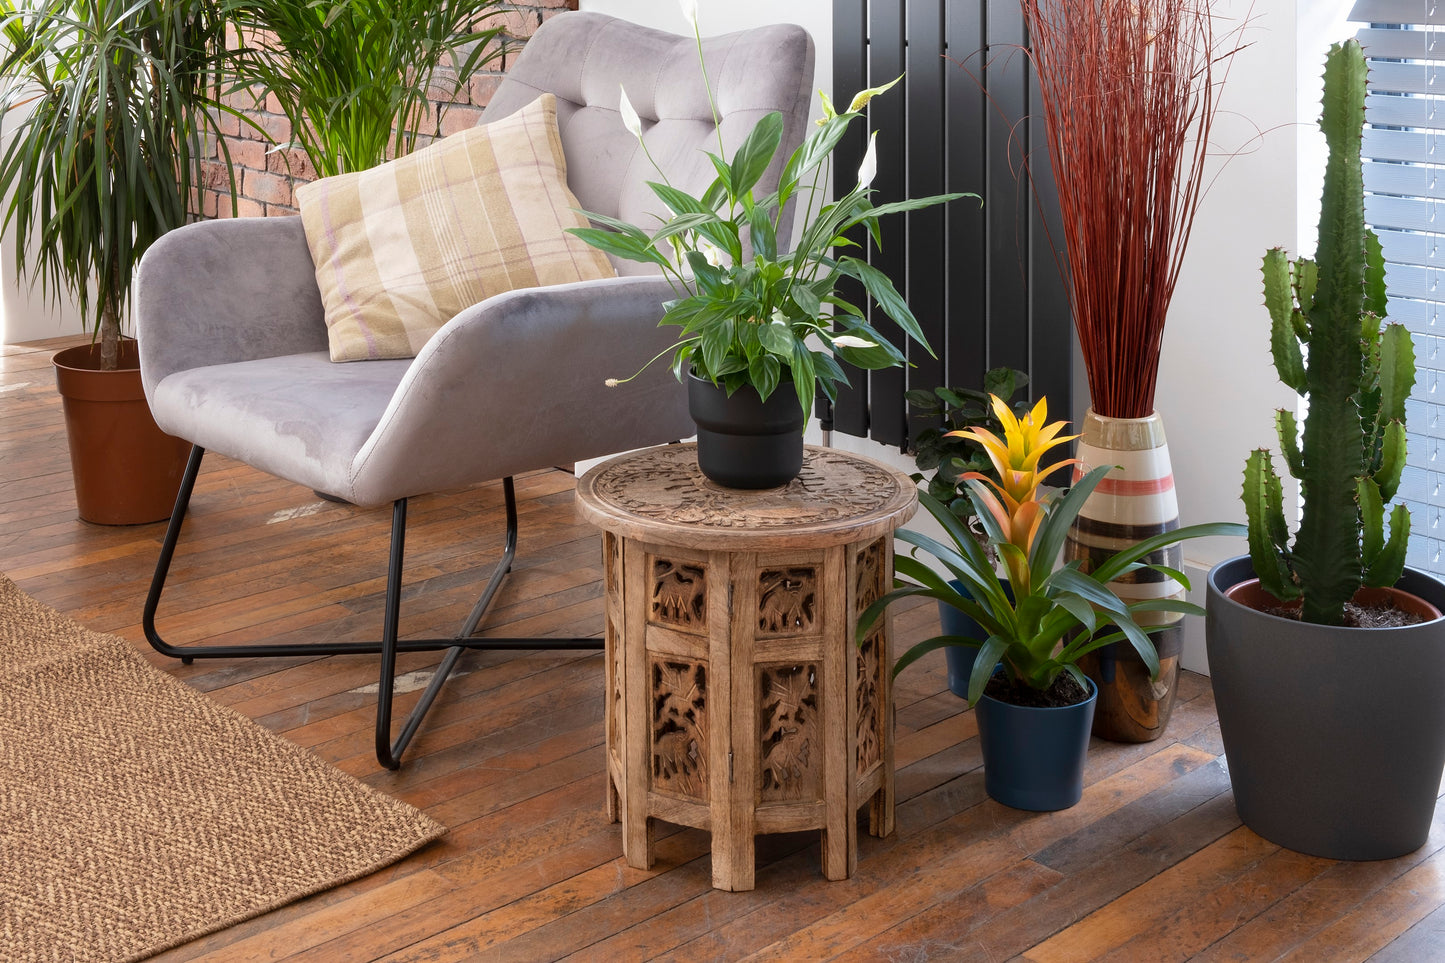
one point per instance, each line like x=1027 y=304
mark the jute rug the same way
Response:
x=137 y=814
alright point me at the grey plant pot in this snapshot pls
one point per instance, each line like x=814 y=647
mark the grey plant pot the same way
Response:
x=1335 y=737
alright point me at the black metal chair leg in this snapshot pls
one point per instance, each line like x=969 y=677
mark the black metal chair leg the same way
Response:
x=388 y=753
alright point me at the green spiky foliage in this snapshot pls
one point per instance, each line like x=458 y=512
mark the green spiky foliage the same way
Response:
x=1330 y=346
x=113 y=106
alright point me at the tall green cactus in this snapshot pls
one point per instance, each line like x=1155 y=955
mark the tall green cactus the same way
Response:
x=1329 y=345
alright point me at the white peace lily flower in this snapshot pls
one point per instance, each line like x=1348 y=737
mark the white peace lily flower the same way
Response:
x=852 y=341
x=611 y=382
x=779 y=317
x=630 y=120
x=689 y=11
x=869 y=167
x=711 y=251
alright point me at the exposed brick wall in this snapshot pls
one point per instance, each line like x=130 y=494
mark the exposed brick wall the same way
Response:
x=265 y=179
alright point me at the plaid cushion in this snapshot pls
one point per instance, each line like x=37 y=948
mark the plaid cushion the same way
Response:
x=402 y=248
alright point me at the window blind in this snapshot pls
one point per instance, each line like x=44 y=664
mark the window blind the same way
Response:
x=1404 y=151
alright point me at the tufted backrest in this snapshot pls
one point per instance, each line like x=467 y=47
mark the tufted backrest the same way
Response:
x=583 y=57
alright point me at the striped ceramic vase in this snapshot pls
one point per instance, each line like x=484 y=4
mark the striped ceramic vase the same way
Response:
x=1133 y=502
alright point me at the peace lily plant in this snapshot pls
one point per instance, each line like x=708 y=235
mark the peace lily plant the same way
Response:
x=1038 y=623
x=750 y=313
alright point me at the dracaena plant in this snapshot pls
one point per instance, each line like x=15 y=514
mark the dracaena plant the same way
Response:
x=1048 y=615
x=750 y=312
x=112 y=108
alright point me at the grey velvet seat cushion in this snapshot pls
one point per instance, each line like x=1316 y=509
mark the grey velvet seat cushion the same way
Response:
x=300 y=417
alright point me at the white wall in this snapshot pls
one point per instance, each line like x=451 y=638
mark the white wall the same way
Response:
x=1217 y=388
x=24 y=314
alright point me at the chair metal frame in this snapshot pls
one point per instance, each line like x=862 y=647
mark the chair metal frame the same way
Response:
x=388 y=751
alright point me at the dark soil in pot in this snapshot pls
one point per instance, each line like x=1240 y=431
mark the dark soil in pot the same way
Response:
x=1065 y=691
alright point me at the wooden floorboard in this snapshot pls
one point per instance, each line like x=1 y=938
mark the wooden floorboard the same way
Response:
x=1152 y=864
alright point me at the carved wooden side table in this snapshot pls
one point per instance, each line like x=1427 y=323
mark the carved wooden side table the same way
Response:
x=737 y=701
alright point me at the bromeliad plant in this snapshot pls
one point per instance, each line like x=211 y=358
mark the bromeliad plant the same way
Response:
x=1047 y=616
x=1356 y=378
x=750 y=312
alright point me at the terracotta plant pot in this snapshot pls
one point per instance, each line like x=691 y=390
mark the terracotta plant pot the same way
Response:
x=127 y=471
x=1335 y=735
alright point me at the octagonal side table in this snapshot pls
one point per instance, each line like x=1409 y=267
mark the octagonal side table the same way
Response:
x=736 y=698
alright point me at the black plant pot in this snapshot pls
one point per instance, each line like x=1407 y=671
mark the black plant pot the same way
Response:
x=1033 y=758
x=743 y=441
x=1335 y=736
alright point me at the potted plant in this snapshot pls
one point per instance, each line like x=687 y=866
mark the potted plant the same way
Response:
x=1034 y=703
x=761 y=324
x=110 y=138
x=1330 y=712
x=357 y=78
x=1128 y=94
x=949 y=453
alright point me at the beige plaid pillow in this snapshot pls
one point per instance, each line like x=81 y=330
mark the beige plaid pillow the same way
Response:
x=402 y=248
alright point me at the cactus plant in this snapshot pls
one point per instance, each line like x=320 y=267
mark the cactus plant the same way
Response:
x=1329 y=345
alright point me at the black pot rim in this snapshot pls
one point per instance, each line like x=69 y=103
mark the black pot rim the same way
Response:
x=1217 y=589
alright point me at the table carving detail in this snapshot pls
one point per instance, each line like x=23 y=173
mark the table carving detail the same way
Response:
x=665 y=484
x=787 y=729
x=870 y=722
x=679 y=727
x=679 y=594
x=787 y=601
x=869 y=565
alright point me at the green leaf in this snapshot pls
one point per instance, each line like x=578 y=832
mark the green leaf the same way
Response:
x=881 y=289
x=679 y=202
x=984 y=663
x=1392 y=461
x=620 y=245
x=1397 y=371
x=1079 y=609
x=1389 y=565
x=1268 y=533
x=756 y=153
x=1376 y=297
x=1306 y=279
x=1288 y=430
x=1372 y=521
x=778 y=339
x=1284 y=346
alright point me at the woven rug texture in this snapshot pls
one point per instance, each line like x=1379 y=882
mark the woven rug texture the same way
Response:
x=137 y=814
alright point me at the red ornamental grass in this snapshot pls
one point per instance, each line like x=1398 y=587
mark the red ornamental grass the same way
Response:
x=1128 y=94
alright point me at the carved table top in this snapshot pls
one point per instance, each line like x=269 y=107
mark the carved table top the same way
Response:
x=660 y=495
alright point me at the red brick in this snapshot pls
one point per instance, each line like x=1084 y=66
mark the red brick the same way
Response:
x=291 y=163
x=482 y=87
x=249 y=208
x=267 y=188
x=459 y=117
x=248 y=153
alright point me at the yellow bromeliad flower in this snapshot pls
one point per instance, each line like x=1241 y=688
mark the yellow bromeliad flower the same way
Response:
x=1016 y=458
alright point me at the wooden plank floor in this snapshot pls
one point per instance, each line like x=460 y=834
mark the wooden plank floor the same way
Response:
x=1153 y=864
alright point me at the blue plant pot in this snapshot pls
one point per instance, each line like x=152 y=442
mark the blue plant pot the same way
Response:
x=960 y=658
x=1034 y=758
